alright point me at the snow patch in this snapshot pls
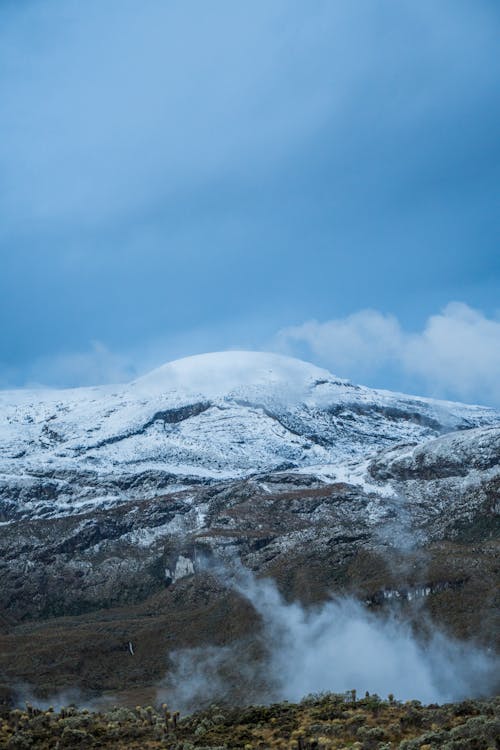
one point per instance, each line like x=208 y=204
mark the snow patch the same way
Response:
x=183 y=567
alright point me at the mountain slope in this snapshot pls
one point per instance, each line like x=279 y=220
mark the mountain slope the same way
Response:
x=113 y=500
x=202 y=419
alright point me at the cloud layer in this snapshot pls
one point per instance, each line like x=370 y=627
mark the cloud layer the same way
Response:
x=335 y=647
x=456 y=354
x=114 y=107
x=168 y=166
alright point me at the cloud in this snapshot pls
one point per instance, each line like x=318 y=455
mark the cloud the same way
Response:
x=338 y=646
x=457 y=354
x=365 y=340
x=95 y=366
x=459 y=351
x=166 y=165
x=112 y=107
x=170 y=164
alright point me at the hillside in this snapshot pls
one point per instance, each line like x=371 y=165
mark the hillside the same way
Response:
x=126 y=508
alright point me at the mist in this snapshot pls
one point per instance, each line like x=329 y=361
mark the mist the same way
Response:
x=25 y=694
x=336 y=647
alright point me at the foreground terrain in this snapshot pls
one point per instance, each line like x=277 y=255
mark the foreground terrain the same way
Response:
x=322 y=722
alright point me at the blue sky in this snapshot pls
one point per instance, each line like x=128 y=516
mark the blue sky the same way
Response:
x=316 y=177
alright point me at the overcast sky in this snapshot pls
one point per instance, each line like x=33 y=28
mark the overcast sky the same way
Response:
x=314 y=177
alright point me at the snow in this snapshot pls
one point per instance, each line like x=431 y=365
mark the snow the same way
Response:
x=220 y=373
x=353 y=473
x=253 y=412
x=184 y=567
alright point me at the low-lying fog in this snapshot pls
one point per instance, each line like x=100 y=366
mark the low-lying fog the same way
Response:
x=336 y=647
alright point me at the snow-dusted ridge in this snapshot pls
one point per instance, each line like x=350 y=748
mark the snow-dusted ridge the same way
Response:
x=205 y=418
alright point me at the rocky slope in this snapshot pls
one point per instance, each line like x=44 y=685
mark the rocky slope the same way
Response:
x=198 y=420
x=116 y=501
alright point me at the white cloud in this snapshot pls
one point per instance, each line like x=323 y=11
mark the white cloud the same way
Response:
x=456 y=355
x=337 y=646
x=459 y=350
x=95 y=366
x=363 y=341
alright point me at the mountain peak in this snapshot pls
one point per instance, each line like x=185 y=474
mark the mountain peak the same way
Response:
x=207 y=418
x=218 y=373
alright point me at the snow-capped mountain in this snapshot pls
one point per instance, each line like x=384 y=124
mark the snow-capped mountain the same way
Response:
x=202 y=419
x=113 y=499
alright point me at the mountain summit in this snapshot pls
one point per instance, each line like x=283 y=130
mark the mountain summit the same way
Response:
x=218 y=374
x=206 y=418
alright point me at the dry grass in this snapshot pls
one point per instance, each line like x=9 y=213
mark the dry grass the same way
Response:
x=318 y=722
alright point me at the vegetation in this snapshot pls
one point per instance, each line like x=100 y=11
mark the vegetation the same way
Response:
x=317 y=723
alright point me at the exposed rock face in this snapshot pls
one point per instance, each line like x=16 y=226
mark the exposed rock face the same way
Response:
x=391 y=508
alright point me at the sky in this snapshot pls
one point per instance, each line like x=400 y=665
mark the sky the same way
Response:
x=317 y=178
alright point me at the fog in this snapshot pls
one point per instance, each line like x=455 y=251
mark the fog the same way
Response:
x=25 y=694
x=338 y=646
